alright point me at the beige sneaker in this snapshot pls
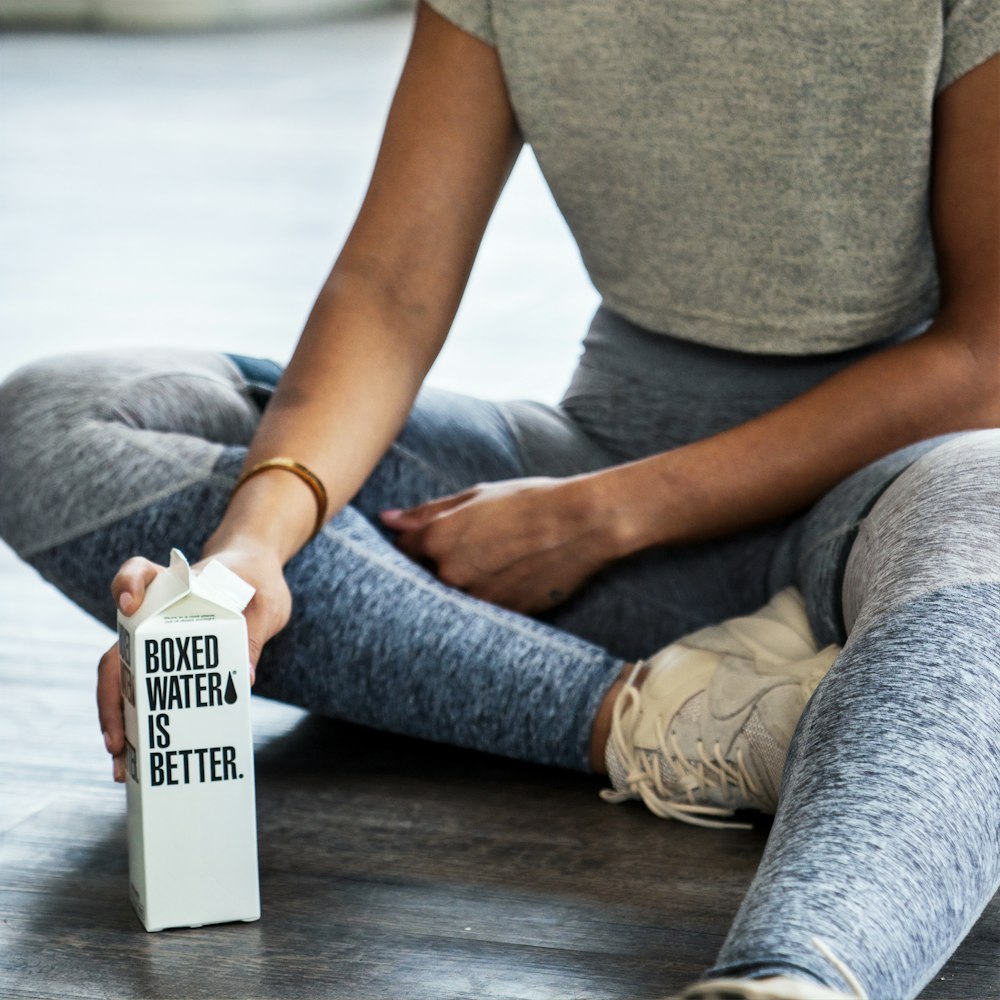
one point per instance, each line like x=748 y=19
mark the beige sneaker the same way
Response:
x=707 y=732
x=778 y=987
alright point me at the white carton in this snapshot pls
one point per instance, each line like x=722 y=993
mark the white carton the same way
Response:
x=192 y=830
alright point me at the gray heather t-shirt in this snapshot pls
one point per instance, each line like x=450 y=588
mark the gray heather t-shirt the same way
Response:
x=741 y=173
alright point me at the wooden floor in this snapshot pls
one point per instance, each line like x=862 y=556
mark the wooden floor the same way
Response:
x=194 y=190
x=390 y=868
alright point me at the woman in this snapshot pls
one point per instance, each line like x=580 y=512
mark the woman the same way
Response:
x=791 y=216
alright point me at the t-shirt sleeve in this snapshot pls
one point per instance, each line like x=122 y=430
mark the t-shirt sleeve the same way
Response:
x=971 y=36
x=472 y=16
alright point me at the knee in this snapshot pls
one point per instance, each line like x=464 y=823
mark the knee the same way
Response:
x=39 y=408
x=963 y=469
x=77 y=427
x=950 y=492
x=48 y=399
x=36 y=401
x=936 y=526
x=23 y=391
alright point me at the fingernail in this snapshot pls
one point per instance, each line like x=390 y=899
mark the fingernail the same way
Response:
x=125 y=602
x=392 y=513
x=118 y=769
x=107 y=742
x=253 y=674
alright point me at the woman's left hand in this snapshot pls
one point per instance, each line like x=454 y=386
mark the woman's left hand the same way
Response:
x=525 y=544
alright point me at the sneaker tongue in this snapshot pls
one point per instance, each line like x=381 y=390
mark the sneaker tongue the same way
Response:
x=734 y=688
x=616 y=769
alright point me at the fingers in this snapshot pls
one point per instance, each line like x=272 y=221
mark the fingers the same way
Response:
x=412 y=526
x=412 y=544
x=415 y=518
x=128 y=589
x=265 y=618
x=255 y=644
x=109 y=710
x=129 y=585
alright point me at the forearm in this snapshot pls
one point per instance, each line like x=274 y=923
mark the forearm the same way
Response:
x=341 y=401
x=946 y=380
x=781 y=462
x=383 y=314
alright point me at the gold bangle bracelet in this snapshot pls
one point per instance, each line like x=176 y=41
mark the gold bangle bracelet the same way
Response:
x=297 y=469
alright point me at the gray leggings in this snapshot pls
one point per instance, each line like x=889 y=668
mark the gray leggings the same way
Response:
x=886 y=840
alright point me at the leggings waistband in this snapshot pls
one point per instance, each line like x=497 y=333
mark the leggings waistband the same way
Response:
x=636 y=392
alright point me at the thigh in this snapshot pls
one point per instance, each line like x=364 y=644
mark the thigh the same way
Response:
x=633 y=607
x=644 y=602
x=90 y=438
x=934 y=531
x=137 y=453
x=814 y=551
x=448 y=443
x=451 y=442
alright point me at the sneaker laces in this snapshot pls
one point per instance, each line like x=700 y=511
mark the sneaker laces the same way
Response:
x=644 y=775
x=845 y=973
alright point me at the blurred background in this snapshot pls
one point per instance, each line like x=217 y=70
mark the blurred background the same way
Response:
x=193 y=184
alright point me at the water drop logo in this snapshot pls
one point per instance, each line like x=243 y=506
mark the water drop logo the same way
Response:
x=230 y=695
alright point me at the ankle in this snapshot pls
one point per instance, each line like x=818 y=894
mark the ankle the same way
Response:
x=601 y=729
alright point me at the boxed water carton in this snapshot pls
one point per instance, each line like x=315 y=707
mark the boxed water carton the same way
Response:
x=192 y=832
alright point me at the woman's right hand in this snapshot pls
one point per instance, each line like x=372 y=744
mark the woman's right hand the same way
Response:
x=266 y=615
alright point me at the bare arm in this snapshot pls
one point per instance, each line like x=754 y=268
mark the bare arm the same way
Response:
x=386 y=308
x=946 y=380
x=377 y=325
x=527 y=544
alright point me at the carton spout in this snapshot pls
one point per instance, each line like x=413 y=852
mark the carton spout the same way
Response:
x=179 y=566
x=218 y=583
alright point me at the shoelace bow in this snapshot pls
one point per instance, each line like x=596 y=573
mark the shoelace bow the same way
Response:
x=644 y=778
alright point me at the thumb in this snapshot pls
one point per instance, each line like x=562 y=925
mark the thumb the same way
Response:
x=131 y=581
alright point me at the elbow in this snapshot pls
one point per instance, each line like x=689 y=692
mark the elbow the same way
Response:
x=991 y=402
x=983 y=357
x=967 y=330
